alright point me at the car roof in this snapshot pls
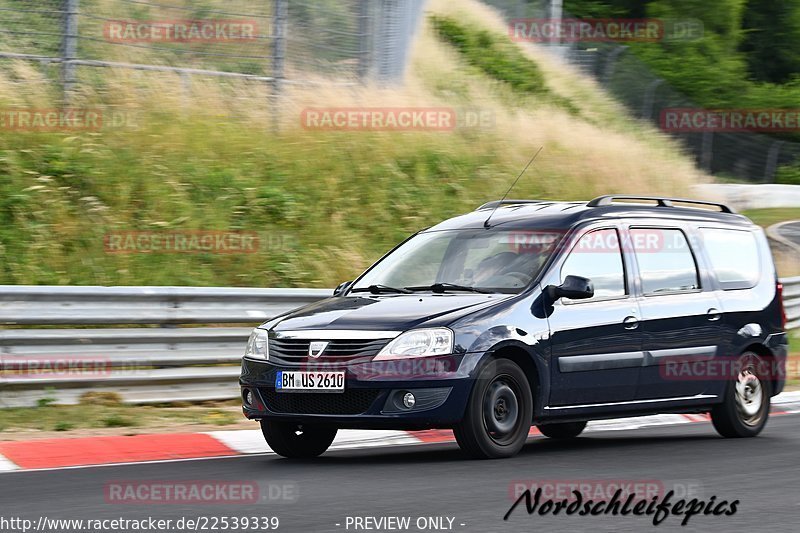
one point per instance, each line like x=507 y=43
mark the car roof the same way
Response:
x=546 y=214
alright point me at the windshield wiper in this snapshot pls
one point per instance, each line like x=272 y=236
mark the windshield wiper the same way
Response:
x=442 y=287
x=378 y=289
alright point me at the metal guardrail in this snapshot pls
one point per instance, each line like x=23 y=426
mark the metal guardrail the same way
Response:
x=44 y=305
x=791 y=301
x=141 y=365
x=147 y=364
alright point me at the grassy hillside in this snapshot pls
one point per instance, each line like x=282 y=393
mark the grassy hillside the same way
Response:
x=206 y=157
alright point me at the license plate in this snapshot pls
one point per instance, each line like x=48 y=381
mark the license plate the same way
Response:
x=309 y=381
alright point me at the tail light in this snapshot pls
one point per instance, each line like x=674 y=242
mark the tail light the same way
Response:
x=780 y=302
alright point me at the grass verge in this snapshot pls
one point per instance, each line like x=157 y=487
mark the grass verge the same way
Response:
x=91 y=419
x=768 y=217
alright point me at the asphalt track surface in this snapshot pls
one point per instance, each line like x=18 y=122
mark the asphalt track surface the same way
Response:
x=436 y=480
x=791 y=231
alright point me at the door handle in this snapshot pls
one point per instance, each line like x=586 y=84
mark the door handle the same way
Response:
x=631 y=322
x=713 y=315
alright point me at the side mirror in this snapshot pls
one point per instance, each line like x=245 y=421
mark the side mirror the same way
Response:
x=574 y=288
x=342 y=288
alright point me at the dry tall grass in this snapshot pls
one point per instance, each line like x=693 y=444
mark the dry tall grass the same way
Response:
x=204 y=154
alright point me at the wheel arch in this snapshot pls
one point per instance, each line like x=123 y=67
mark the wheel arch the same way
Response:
x=530 y=365
x=765 y=352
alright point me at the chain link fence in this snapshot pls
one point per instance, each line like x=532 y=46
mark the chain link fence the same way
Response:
x=748 y=156
x=336 y=42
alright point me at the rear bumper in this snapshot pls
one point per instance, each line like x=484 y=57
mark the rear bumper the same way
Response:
x=778 y=344
x=372 y=398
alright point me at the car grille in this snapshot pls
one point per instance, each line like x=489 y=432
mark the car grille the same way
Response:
x=351 y=402
x=337 y=351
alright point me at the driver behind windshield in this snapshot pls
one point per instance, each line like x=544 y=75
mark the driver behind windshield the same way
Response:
x=507 y=270
x=477 y=259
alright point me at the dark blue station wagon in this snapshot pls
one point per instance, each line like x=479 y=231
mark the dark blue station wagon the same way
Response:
x=526 y=313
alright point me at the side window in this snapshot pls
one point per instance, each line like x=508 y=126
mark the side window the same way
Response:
x=665 y=260
x=597 y=256
x=734 y=257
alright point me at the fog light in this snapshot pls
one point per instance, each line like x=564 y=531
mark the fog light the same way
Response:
x=247 y=396
x=409 y=400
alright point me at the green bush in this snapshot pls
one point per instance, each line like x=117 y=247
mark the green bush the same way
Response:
x=117 y=421
x=63 y=426
x=498 y=58
x=494 y=56
x=788 y=175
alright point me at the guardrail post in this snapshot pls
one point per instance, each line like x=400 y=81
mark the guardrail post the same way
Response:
x=772 y=162
x=69 y=47
x=611 y=64
x=707 y=151
x=556 y=14
x=363 y=40
x=279 y=18
x=650 y=98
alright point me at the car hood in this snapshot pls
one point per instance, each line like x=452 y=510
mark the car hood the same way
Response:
x=385 y=312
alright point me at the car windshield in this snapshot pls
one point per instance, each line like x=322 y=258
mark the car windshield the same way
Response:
x=484 y=260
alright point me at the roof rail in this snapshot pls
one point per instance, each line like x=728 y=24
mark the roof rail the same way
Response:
x=498 y=203
x=602 y=201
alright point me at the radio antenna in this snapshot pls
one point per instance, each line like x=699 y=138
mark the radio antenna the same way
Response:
x=486 y=223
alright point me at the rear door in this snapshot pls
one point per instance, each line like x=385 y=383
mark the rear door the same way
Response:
x=680 y=309
x=740 y=262
x=596 y=348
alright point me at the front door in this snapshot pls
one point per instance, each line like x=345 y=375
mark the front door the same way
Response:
x=596 y=346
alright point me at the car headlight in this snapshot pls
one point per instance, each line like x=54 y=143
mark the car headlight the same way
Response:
x=418 y=343
x=258 y=345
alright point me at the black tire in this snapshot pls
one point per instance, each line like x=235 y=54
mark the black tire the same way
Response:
x=296 y=441
x=562 y=430
x=745 y=408
x=498 y=414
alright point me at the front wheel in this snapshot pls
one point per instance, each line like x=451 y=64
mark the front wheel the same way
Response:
x=745 y=408
x=297 y=441
x=562 y=430
x=499 y=412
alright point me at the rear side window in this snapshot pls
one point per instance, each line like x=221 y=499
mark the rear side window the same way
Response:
x=597 y=256
x=666 y=263
x=734 y=257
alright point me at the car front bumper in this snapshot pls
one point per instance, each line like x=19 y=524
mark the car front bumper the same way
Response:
x=372 y=397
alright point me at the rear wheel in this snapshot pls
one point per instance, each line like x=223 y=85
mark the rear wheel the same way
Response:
x=499 y=412
x=297 y=441
x=562 y=430
x=745 y=409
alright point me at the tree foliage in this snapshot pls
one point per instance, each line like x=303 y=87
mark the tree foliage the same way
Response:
x=747 y=57
x=772 y=39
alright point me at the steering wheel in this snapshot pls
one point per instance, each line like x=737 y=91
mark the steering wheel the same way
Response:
x=524 y=278
x=497 y=281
